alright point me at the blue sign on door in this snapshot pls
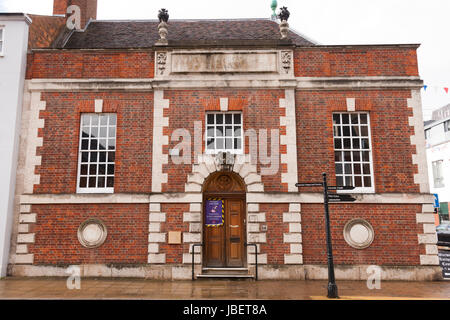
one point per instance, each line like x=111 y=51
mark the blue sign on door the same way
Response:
x=214 y=213
x=436 y=200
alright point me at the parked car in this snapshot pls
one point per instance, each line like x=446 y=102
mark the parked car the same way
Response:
x=443 y=234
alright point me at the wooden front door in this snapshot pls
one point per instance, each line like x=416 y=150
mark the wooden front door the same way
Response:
x=224 y=245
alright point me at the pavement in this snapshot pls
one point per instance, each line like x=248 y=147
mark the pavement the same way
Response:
x=140 y=289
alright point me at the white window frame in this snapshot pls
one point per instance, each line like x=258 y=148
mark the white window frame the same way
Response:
x=232 y=151
x=438 y=181
x=2 y=41
x=370 y=150
x=95 y=189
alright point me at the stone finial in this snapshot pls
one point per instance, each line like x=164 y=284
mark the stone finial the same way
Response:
x=163 y=17
x=284 y=25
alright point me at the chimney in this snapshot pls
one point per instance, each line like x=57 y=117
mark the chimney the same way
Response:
x=88 y=9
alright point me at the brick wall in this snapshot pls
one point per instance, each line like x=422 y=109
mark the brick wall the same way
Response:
x=174 y=222
x=91 y=64
x=362 y=61
x=275 y=248
x=390 y=130
x=260 y=110
x=58 y=171
x=395 y=229
x=56 y=240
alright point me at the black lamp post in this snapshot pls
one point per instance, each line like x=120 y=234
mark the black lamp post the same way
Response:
x=332 y=287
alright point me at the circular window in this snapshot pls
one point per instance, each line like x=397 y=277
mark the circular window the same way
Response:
x=358 y=233
x=92 y=233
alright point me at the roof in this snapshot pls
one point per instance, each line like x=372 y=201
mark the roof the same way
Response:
x=144 y=33
x=44 y=30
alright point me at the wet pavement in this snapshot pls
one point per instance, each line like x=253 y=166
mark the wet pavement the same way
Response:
x=101 y=288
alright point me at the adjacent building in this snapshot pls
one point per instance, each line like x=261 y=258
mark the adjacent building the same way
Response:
x=437 y=134
x=142 y=138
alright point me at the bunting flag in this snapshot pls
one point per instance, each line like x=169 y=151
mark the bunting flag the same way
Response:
x=436 y=88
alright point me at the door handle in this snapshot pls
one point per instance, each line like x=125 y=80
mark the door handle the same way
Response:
x=234 y=226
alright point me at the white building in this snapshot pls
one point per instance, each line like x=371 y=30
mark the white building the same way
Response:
x=437 y=135
x=14 y=29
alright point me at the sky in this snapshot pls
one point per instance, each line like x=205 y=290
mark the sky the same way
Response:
x=327 y=22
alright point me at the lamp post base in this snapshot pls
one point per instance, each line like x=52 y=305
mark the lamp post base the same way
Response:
x=332 y=291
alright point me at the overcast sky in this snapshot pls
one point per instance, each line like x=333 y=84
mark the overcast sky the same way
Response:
x=325 y=21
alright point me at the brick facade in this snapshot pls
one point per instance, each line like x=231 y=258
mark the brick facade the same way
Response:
x=56 y=241
x=153 y=196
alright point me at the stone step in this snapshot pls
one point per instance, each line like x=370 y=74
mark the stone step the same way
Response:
x=225 y=276
x=236 y=271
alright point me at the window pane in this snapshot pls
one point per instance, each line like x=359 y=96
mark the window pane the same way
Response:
x=219 y=118
x=92 y=181
x=210 y=119
x=365 y=143
x=85 y=157
x=92 y=169
x=336 y=131
x=102 y=144
x=83 y=182
x=102 y=157
x=210 y=132
x=228 y=118
x=364 y=131
x=356 y=143
x=366 y=168
x=363 y=118
x=336 y=118
x=228 y=143
x=93 y=144
x=348 y=180
x=358 y=181
x=345 y=119
x=338 y=156
x=339 y=181
x=219 y=143
x=229 y=131
x=346 y=131
x=348 y=168
x=365 y=156
x=84 y=169
x=237 y=132
x=367 y=181
x=94 y=120
x=111 y=144
x=338 y=168
x=219 y=131
x=347 y=156
x=112 y=120
x=94 y=156
x=111 y=156
x=237 y=143
x=112 y=132
x=110 y=169
x=237 y=118
x=110 y=182
x=85 y=120
x=354 y=118
x=84 y=144
x=103 y=120
x=85 y=132
x=103 y=131
x=102 y=169
x=101 y=182
x=356 y=156
x=210 y=144
x=337 y=143
x=347 y=144
x=357 y=168
x=355 y=131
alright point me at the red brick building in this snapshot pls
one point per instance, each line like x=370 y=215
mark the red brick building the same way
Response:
x=119 y=170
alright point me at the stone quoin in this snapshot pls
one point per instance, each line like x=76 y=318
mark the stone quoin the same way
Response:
x=122 y=122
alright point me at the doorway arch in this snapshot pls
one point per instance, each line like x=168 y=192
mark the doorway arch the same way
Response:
x=224 y=241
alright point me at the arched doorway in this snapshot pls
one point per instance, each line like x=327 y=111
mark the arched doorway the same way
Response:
x=224 y=239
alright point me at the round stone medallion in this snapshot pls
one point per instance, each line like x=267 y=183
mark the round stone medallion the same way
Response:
x=92 y=233
x=358 y=233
